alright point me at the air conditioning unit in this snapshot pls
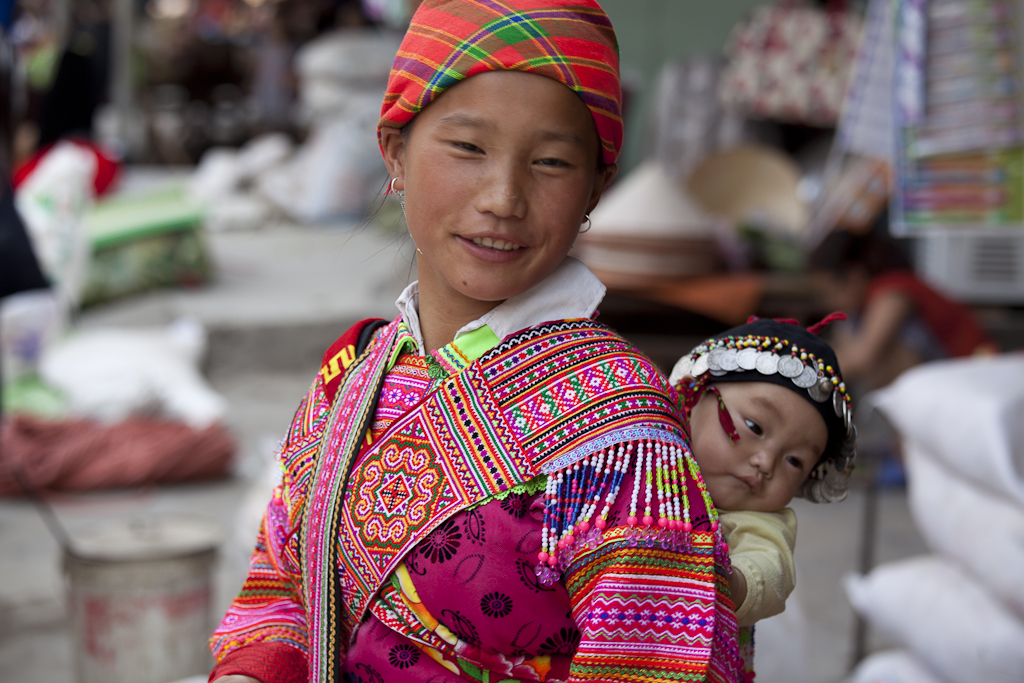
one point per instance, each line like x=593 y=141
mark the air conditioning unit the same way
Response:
x=974 y=265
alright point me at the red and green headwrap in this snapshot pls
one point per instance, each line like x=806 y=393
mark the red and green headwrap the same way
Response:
x=571 y=41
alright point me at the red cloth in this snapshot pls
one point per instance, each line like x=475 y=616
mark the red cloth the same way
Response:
x=571 y=41
x=266 y=662
x=80 y=455
x=952 y=323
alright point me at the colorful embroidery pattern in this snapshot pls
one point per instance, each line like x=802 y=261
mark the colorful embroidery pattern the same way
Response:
x=478 y=453
x=462 y=444
x=653 y=608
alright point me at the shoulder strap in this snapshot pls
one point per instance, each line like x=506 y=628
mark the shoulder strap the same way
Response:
x=344 y=351
x=366 y=334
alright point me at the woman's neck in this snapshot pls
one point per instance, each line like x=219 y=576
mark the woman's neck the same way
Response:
x=443 y=312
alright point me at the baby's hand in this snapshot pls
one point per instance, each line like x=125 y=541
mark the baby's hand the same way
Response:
x=737 y=589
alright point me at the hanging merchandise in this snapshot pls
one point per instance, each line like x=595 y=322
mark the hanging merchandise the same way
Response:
x=790 y=61
x=959 y=148
x=958 y=109
x=866 y=124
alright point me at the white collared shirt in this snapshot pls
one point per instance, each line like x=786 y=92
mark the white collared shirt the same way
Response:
x=571 y=291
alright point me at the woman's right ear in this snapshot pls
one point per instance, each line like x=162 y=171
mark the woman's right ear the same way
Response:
x=392 y=143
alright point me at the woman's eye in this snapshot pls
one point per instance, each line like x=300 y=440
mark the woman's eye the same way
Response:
x=795 y=462
x=467 y=146
x=753 y=426
x=553 y=163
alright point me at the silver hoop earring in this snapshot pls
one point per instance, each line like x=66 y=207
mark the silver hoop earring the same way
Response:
x=392 y=190
x=398 y=193
x=586 y=217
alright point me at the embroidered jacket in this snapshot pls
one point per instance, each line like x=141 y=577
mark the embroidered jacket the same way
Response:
x=547 y=407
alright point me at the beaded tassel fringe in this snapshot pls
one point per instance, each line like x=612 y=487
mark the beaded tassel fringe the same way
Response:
x=578 y=499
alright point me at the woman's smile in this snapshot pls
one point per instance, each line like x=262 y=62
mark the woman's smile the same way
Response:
x=497 y=243
x=492 y=249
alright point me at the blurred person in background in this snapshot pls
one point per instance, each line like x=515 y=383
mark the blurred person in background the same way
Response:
x=80 y=83
x=272 y=85
x=896 y=320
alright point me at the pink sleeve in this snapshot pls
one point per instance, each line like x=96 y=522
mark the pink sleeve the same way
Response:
x=269 y=608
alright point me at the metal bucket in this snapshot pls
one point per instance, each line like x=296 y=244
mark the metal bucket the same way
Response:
x=140 y=595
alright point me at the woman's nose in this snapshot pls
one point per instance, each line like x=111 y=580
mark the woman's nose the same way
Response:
x=504 y=193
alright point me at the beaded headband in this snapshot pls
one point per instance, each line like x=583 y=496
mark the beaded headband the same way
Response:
x=782 y=353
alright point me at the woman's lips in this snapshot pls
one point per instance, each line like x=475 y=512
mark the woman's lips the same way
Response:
x=491 y=254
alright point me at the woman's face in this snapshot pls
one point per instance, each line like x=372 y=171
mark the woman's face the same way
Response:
x=498 y=173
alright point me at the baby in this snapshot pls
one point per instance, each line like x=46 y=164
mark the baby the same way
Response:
x=768 y=418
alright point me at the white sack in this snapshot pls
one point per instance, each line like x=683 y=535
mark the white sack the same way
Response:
x=218 y=175
x=348 y=56
x=892 y=666
x=946 y=619
x=336 y=173
x=263 y=153
x=109 y=374
x=967 y=413
x=53 y=201
x=981 y=531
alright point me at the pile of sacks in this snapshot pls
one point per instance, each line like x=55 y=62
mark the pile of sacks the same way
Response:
x=337 y=172
x=959 y=613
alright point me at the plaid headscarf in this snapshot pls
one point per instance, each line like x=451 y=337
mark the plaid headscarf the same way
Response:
x=570 y=41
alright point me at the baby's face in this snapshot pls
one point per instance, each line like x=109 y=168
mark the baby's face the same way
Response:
x=781 y=438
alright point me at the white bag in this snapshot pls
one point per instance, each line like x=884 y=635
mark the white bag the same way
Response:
x=981 y=531
x=110 y=374
x=943 y=617
x=967 y=413
x=892 y=666
x=52 y=201
x=335 y=174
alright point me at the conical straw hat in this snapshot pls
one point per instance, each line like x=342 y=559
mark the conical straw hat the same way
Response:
x=751 y=182
x=648 y=204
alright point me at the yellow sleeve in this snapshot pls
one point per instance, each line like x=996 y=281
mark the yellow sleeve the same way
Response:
x=761 y=547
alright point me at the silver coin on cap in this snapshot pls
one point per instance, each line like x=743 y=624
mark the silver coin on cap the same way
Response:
x=767 y=363
x=807 y=378
x=718 y=373
x=790 y=366
x=715 y=359
x=729 y=360
x=700 y=366
x=747 y=358
x=681 y=369
x=821 y=390
x=837 y=403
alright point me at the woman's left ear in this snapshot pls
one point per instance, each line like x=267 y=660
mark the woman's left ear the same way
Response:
x=604 y=178
x=392 y=143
